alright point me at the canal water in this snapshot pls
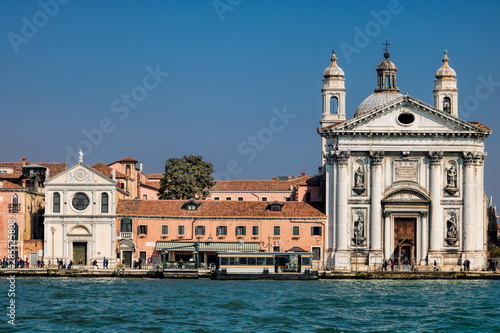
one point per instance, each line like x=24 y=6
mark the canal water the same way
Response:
x=168 y=305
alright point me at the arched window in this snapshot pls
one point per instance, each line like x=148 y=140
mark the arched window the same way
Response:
x=127 y=170
x=104 y=203
x=14 y=206
x=447 y=104
x=334 y=105
x=56 y=203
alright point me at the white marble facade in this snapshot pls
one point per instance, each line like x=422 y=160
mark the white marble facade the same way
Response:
x=80 y=217
x=404 y=180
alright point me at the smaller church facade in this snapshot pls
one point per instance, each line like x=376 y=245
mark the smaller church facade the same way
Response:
x=80 y=217
x=404 y=180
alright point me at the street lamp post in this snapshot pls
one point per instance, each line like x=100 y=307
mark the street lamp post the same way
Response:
x=52 y=230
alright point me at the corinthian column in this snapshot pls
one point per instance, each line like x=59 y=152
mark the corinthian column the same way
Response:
x=472 y=221
x=388 y=239
x=424 y=240
x=329 y=204
x=375 y=200
x=436 y=221
x=341 y=224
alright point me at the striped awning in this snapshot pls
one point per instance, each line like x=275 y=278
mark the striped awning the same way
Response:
x=208 y=247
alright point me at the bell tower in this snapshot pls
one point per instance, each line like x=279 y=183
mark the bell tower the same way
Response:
x=333 y=92
x=445 y=90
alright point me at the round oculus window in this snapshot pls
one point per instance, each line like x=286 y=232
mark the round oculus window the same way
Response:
x=406 y=118
x=80 y=201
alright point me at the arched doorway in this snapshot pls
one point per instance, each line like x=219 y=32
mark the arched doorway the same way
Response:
x=406 y=234
x=126 y=249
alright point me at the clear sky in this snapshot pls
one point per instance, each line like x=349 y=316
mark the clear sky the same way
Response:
x=236 y=81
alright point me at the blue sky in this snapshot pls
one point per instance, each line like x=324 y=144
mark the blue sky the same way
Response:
x=224 y=73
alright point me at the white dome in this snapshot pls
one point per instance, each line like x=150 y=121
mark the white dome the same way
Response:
x=333 y=70
x=445 y=71
x=375 y=100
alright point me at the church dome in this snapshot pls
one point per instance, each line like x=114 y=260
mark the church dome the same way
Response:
x=386 y=64
x=386 y=89
x=445 y=71
x=375 y=100
x=333 y=70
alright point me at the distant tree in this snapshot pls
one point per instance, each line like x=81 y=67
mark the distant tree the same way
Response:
x=186 y=178
x=492 y=227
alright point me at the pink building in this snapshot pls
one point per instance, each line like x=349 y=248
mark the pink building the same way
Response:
x=303 y=188
x=134 y=180
x=146 y=227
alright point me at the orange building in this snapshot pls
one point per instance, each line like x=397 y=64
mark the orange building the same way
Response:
x=22 y=202
x=147 y=227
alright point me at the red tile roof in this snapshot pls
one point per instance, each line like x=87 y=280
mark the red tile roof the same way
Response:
x=479 y=125
x=9 y=185
x=106 y=170
x=227 y=209
x=155 y=176
x=54 y=169
x=127 y=159
x=251 y=185
x=155 y=184
x=262 y=185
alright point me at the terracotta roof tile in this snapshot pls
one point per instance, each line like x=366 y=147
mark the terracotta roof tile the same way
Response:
x=154 y=184
x=155 y=176
x=252 y=185
x=127 y=159
x=259 y=209
x=479 y=125
x=54 y=169
x=106 y=170
x=9 y=185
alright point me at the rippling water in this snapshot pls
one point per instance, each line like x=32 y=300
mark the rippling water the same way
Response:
x=148 y=305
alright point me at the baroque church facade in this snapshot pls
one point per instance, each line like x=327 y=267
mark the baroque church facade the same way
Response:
x=404 y=180
x=80 y=216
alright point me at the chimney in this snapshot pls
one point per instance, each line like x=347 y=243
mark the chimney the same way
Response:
x=24 y=161
x=140 y=166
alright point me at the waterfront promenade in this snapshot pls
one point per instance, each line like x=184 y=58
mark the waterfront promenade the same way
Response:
x=206 y=274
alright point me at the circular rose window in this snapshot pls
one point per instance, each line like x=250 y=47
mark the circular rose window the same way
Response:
x=80 y=201
x=406 y=118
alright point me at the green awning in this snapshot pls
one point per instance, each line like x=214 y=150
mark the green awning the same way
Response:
x=208 y=247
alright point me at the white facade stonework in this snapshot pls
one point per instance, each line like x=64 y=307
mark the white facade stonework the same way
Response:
x=404 y=180
x=80 y=217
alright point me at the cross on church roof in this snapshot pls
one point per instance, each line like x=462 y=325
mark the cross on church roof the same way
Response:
x=386 y=53
x=386 y=45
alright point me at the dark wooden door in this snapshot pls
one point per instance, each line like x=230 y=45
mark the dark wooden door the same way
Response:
x=79 y=253
x=405 y=238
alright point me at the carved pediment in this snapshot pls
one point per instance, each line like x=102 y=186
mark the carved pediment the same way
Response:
x=406 y=116
x=406 y=196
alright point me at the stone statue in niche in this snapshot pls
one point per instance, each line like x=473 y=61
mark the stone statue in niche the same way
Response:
x=451 y=230
x=359 y=177
x=359 y=231
x=359 y=227
x=451 y=180
x=359 y=180
x=452 y=177
x=452 y=227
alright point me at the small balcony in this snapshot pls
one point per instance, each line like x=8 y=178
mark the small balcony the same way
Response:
x=125 y=235
x=14 y=208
